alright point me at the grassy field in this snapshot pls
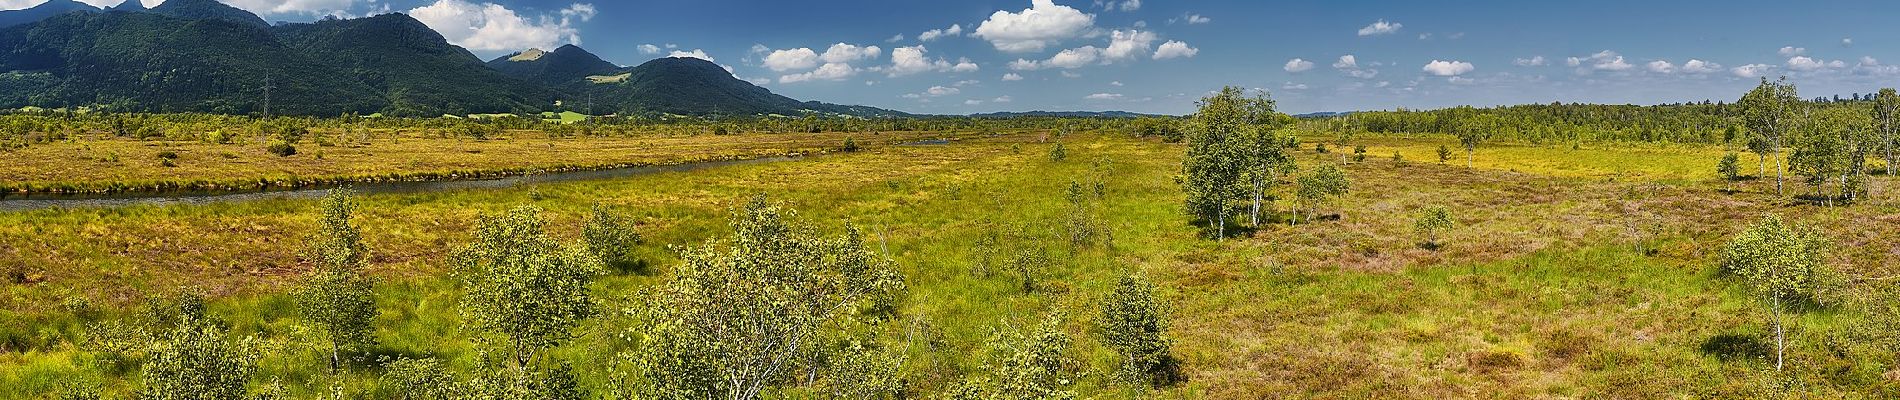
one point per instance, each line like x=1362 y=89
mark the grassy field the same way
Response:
x=1574 y=272
x=108 y=164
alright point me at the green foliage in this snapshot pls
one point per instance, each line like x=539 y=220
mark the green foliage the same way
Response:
x=192 y=360
x=1886 y=120
x=1359 y=153
x=1431 y=222
x=850 y=145
x=1058 y=153
x=1444 y=154
x=1769 y=112
x=1832 y=148
x=336 y=296
x=1025 y=366
x=1784 y=264
x=610 y=236
x=519 y=284
x=418 y=379
x=1134 y=321
x=1730 y=168
x=1321 y=185
x=743 y=316
x=281 y=148
x=1216 y=162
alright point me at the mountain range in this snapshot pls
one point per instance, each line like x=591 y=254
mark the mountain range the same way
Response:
x=205 y=56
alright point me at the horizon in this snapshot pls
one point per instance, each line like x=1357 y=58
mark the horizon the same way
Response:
x=1160 y=57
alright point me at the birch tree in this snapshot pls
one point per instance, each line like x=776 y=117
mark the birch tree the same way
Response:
x=1770 y=111
x=1783 y=264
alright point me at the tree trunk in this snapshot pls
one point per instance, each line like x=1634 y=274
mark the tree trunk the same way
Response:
x=1780 y=342
x=1258 y=187
x=1761 y=165
x=1470 y=153
x=1220 y=232
x=1778 y=175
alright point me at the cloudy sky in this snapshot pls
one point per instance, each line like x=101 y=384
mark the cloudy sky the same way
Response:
x=1160 y=55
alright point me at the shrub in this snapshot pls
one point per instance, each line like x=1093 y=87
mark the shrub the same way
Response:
x=1444 y=154
x=1359 y=154
x=1025 y=366
x=193 y=361
x=281 y=148
x=1135 y=323
x=1431 y=222
x=850 y=145
x=610 y=236
x=1058 y=153
x=522 y=286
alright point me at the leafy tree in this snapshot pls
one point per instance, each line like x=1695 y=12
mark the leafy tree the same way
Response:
x=1324 y=183
x=745 y=315
x=1134 y=322
x=1431 y=222
x=1729 y=169
x=1268 y=159
x=1216 y=160
x=1833 y=148
x=610 y=237
x=521 y=285
x=336 y=296
x=1783 y=263
x=419 y=379
x=1475 y=130
x=1024 y=366
x=1887 y=126
x=1770 y=111
x=192 y=360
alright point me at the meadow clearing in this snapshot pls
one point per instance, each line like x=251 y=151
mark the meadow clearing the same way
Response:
x=1572 y=271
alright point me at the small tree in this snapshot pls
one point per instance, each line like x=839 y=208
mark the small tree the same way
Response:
x=1730 y=169
x=192 y=360
x=1217 y=162
x=610 y=236
x=1324 y=183
x=1135 y=323
x=1058 y=153
x=519 y=284
x=1769 y=112
x=1474 y=130
x=1783 y=264
x=1024 y=366
x=1431 y=222
x=1886 y=116
x=743 y=316
x=336 y=296
x=1444 y=154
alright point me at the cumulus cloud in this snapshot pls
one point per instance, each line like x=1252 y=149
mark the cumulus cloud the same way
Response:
x=895 y=38
x=1043 y=24
x=1601 y=61
x=972 y=102
x=1448 y=68
x=1012 y=77
x=1175 y=49
x=1871 y=66
x=1346 y=62
x=1534 y=61
x=492 y=27
x=649 y=49
x=1661 y=67
x=1847 y=42
x=1293 y=86
x=1752 y=70
x=1297 y=65
x=845 y=52
x=696 y=53
x=940 y=91
x=915 y=59
x=1791 y=51
x=934 y=34
x=1002 y=99
x=791 y=59
x=1349 y=65
x=1103 y=96
x=1128 y=44
x=1695 y=66
x=1380 y=28
x=1196 y=19
x=827 y=72
x=1803 y=63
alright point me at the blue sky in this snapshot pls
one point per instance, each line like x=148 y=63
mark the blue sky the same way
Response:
x=1159 y=56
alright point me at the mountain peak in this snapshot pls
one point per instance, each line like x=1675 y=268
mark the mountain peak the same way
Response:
x=210 y=10
x=129 y=5
x=42 y=11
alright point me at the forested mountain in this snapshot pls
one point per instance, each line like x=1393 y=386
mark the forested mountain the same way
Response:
x=41 y=12
x=151 y=62
x=417 y=70
x=205 y=56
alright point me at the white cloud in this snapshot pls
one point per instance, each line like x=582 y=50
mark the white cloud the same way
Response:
x=1803 y=63
x=1661 y=67
x=1871 y=66
x=1346 y=62
x=649 y=49
x=1695 y=66
x=845 y=53
x=696 y=53
x=972 y=102
x=791 y=59
x=1043 y=24
x=915 y=59
x=895 y=38
x=1380 y=28
x=1573 y=61
x=1128 y=5
x=492 y=27
x=1847 y=42
x=1534 y=61
x=1128 y=44
x=1791 y=51
x=934 y=34
x=1103 y=96
x=940 y=91
x=1197 y=19
x=1448 y=68
x=966 y=82
x=1459 y=80
x=1752 y=70
x=1175 y=49
x=1293 y=86
x=1002 y=99
x=1297 y=65
x=1601 y=61
x=1012 y=77
x=828 y=72
x=1073 y=58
